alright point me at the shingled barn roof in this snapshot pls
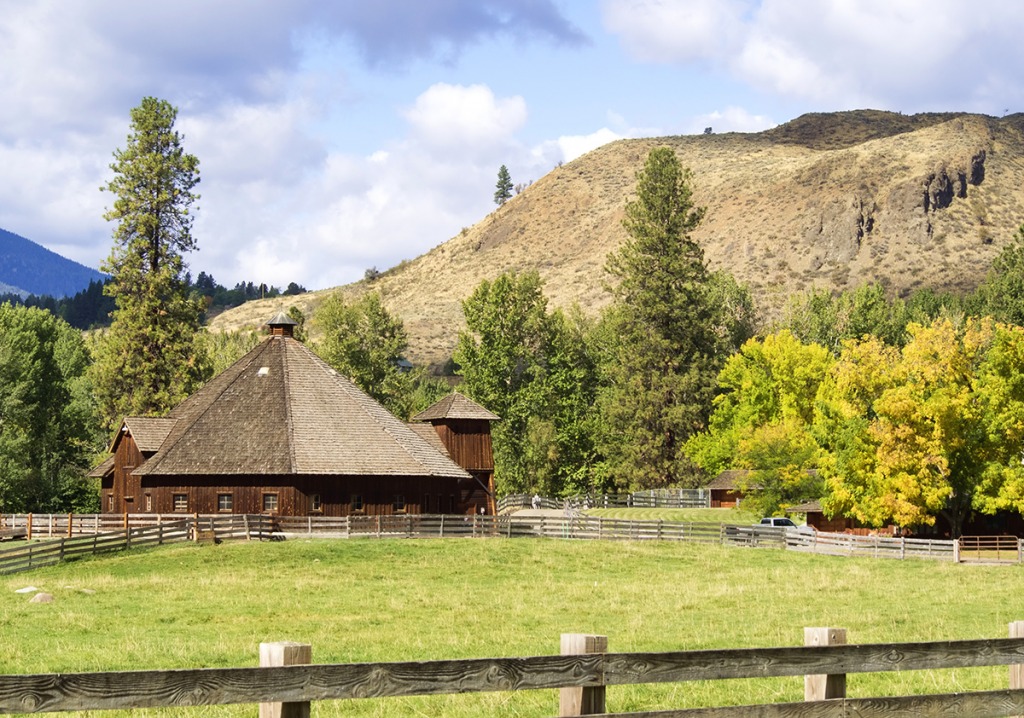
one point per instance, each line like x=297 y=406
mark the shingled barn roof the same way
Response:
x=429 y=434
x=282 y=410
x=455 y=406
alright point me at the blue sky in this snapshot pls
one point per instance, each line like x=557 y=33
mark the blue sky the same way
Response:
x=333 y=137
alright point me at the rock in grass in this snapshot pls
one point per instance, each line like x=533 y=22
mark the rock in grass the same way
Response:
x=42 y=598
x=27 y=589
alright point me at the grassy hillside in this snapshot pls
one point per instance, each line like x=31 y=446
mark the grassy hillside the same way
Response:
x=205 y=605
x=827 y=200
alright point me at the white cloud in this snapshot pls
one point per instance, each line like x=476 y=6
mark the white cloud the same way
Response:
x=455 y=116
x=667 y=31
x=569 y=147
x=908 y=55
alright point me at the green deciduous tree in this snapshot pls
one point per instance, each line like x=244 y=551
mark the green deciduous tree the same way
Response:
x=670 y=336
x=148 y=361
x=502 y=358
x=819 y=317
x=781 y=457
x=1001 y=295
x=768 y=385
x=365 y=342
x=47 y=416
x=503 y=189
x=538 y=371
x=562 y=456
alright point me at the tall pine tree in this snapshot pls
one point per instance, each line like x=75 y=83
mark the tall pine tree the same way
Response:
x=662 y=376
x=148 y=361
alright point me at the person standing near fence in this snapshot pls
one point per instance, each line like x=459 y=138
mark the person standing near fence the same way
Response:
x=535 y=502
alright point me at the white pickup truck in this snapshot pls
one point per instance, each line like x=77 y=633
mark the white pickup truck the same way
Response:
x=783 y=522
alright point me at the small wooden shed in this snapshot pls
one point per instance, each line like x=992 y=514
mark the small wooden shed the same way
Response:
x=726 y=491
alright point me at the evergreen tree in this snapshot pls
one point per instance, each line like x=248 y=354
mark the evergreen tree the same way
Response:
x=670 y=336
x=503 y=190
x=148 y=361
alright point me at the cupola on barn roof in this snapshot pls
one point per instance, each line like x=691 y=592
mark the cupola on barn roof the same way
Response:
x=282 y=325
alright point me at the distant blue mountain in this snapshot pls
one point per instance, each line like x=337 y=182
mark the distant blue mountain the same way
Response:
x=27 y=268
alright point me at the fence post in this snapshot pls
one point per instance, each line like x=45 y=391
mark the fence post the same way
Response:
x=956 y=550
x=822 y=687
x=576 y=701
x=1017 y=670
x=285 y=653
x=28 y=528
x=71 y=522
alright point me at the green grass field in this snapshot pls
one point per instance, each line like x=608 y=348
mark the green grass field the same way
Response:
x=366 y=600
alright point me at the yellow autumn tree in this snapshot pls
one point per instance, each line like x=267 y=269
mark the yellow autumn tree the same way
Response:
x=909 y=436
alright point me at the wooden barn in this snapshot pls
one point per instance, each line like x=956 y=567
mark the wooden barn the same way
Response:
x=281 y=432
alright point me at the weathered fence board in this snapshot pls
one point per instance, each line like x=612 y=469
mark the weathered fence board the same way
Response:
x=299 y=683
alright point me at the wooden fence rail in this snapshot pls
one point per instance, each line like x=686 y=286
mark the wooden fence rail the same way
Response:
x=299 y=684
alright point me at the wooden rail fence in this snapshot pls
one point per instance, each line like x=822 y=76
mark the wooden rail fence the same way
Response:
x=655 y=498
x=24 y=556
x=135 y=529
x=583 y=673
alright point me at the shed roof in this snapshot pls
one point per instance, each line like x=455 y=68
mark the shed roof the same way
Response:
x=805 y=507
x=282 y=410
x=103 y=468
x=455 y=406
x=728 y=479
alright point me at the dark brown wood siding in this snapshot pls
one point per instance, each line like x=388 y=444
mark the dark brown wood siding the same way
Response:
x=379 y=495
x=124 y=494
x=468 y=442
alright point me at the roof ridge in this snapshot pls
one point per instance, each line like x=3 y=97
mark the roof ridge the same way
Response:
x=289 y=425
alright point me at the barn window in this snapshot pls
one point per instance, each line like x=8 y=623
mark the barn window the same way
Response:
x=149 y=502
x=357 y=502
x=314 y=503
x=399 y=504
x=180 y=502
x=225 y=502
x=269 y=503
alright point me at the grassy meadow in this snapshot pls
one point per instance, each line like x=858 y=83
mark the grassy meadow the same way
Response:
x=367 y=600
